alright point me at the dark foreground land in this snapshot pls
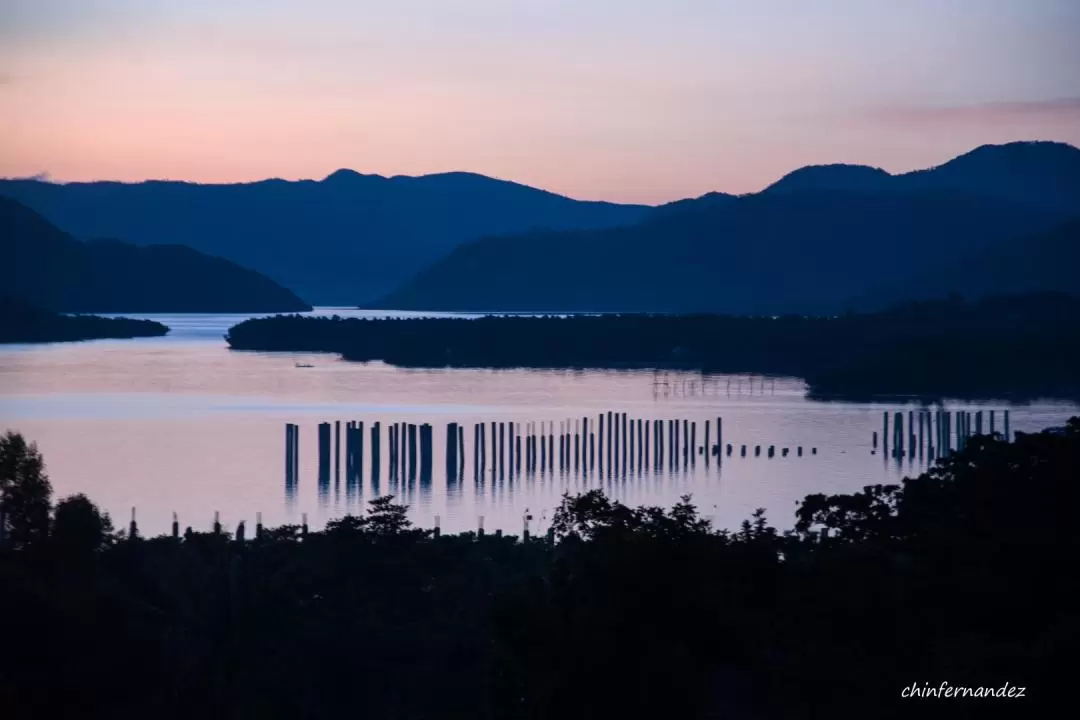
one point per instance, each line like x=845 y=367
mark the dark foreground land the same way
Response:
x=1022 y=345
x=961 y=576
x=21 y=322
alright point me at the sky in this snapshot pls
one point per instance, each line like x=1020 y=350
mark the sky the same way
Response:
x=621 y=100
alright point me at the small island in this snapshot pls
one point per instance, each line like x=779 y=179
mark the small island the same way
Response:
x=996 y=347
x=21 y=322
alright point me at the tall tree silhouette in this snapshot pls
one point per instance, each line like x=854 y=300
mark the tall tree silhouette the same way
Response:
x=25 y=490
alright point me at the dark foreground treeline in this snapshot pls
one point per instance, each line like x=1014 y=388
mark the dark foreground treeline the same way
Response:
x=1027 y=344
x=21 y=322
x=960 y=576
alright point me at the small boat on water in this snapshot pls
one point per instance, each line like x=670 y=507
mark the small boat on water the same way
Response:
x=303 y=365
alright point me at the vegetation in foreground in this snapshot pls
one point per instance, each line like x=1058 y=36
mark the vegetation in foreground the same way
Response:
x=1014 y=345
x=960 y=575
x=21 y=322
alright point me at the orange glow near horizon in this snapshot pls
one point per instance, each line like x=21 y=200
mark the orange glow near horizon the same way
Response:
x=620 y=102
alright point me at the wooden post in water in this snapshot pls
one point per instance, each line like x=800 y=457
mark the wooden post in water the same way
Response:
x=481 y=437
x=585 y=443
x=175 y=527
x=885 y=432
x=358 y=455
x=709 y=449
x=640 y=446
x=992 y=418
x=412 y=451
x=451 y=453
x=510 y=448
x=517 y=452
x=543 y=449
x=288 y=454
x=624 y=442
x=376 y=453
x=659 y=425
x=922 y=417
x=324 y=453
x=687 y=451
x=719 y=437
x=671 y=444
x=577 y=447
x=615 y=431
x=337 y=453
x=979 y=423
x=600 y=441
x=610 y=435
x=647 y=439
x=502 y=448
x=392 y=450
x=898 y=431
x=427 y=452
x=551 y=445
x=693 y=443
x=1005 y=424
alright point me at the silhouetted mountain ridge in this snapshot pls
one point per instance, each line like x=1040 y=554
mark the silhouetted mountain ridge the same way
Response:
x=340 y=240
x=54 y=271
x=809 y=244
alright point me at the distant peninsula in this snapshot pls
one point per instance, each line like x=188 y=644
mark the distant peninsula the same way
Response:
x=21 y=322
x=52 y=270
x=1002 y=346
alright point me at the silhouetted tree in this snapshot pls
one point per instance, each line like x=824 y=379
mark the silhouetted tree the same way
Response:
x=79 y=526
x=25 y=490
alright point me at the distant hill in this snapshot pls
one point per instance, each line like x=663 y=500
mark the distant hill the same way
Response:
x=21 y=322
x=1041 y=174
x=51 y=270
x=346 y=239
x=808 y=244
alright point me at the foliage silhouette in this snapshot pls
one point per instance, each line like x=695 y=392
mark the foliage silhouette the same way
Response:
x=1026 y=344
x=958 y=575
x=80 y=527
x=25 y=491
x=21 y=322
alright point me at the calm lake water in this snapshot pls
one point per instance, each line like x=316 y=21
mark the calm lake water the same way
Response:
x=182 y=424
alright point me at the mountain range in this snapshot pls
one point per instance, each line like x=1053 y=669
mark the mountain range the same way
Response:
x=822 y=239
x=343 y=240
x=54 y=272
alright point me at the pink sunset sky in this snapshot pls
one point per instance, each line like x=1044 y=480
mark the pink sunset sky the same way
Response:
x=622 y=100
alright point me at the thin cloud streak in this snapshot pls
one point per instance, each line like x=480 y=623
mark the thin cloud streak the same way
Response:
x=1067 y=108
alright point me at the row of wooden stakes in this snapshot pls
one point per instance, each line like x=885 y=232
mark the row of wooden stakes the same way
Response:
x=610 y=443
x=935 y=431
